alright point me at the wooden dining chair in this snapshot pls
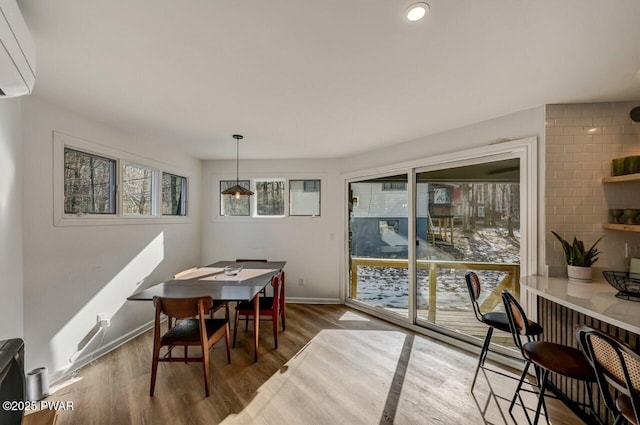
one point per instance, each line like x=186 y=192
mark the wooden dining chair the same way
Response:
x=187 y=331
x=268 y=306
x=217 y=304
x=617 y=368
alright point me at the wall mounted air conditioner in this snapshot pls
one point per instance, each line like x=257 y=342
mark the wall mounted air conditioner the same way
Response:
x=17 y=52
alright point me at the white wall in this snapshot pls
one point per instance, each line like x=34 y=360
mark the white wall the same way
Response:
x=11 y=306
x=307 y=244
x=73 y=273
x=311 y=246
x=518 y=125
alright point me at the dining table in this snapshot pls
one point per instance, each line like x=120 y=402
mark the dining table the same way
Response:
x=212 y=281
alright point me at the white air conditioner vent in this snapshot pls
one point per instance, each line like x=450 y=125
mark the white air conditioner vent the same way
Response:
x=17 y=52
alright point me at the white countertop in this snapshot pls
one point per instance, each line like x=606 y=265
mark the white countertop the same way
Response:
x=595 y=299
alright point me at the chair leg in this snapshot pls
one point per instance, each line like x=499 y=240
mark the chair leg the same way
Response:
x=483 y=355
x=227 y=342
x=235 y=328
x=543 y=387
x=275 y=318
x=154 y=367
x=282 y=314
x=205 y=365
x=186 y=353
x=517 y=393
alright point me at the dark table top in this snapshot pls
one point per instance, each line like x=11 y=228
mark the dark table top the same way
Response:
x=224 y=290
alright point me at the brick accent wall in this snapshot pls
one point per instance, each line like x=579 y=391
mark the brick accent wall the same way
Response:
x=581 y=141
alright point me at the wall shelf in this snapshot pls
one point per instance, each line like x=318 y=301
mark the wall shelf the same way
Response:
x=623 y=227
x=622 y=179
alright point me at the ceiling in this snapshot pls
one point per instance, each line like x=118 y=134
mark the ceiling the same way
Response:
x=325 y=78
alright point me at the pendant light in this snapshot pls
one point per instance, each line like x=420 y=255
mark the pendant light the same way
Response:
x=237 y=190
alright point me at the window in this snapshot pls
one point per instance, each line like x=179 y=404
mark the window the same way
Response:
x=174 y=195
x=272 y=197
x=394 y=186
x=98 y=185
x=304 y=197
x=137 y=190
x=269 y=198
x=89 y=183
x=229 y=205
x=386 y=227
x=311 y=185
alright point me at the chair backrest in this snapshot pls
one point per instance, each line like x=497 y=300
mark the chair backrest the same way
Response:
x=615 y=364
x=182 y=308
x=518 y=322
x=276 y=283
x=473 y=286
x=282 y=286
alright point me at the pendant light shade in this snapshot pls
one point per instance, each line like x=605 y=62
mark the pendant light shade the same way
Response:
x=237 y=190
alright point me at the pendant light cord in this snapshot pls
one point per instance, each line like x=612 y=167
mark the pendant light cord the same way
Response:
x=237 y=162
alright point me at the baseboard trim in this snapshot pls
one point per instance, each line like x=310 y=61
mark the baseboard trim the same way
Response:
x=298 y=300
x=61 y=374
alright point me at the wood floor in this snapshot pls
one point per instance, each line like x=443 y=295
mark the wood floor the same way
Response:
x=334 y=365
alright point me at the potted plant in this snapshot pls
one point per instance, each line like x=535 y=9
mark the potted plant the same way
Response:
x=579 y=261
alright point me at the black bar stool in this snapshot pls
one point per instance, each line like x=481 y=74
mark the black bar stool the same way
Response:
x=546 y=357
x=494 y=320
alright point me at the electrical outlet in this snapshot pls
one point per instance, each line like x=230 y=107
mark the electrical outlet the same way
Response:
x=300 y=281
x=103 y=320
x=631 y=251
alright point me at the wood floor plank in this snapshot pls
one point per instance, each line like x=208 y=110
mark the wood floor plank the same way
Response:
x=334 y=365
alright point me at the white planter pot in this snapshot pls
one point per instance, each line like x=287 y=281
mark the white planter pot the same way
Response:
x=580 y=274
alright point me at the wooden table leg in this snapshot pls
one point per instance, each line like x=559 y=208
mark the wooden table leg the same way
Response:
x=256 y=324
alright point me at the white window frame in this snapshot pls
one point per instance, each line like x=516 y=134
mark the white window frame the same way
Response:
x=319 y=191
x=60 y=218
x=156 y=188
x=183 y=202
x=216 y=197
x=285 y=197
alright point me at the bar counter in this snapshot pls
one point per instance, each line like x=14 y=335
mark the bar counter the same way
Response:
x=596 y=300
x=559 y=305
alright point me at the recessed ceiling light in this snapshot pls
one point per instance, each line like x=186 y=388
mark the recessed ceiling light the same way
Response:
x=417 y=11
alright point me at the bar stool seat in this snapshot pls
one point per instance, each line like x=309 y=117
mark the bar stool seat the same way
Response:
x=560 y=359
x=546 y=357
x=494 y=320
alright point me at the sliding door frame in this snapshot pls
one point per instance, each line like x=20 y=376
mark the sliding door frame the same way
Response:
x=526 y=150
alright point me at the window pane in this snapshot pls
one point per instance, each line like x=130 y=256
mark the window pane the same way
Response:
x=137 y=187
x=304 y=197
x=394 y=186
x=270 y=198
x=89 y=183
x=229 y=205
x=174 y=195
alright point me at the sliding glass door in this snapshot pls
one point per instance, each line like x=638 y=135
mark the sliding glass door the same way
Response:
x=467 y=219
x=413 y=237
x=379 y=243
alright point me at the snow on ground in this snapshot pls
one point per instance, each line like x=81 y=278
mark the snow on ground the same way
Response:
x=388 y=287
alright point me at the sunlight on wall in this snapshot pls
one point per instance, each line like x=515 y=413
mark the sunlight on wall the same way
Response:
x=109 y=300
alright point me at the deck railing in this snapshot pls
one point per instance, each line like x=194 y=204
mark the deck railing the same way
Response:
x=511 y=280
